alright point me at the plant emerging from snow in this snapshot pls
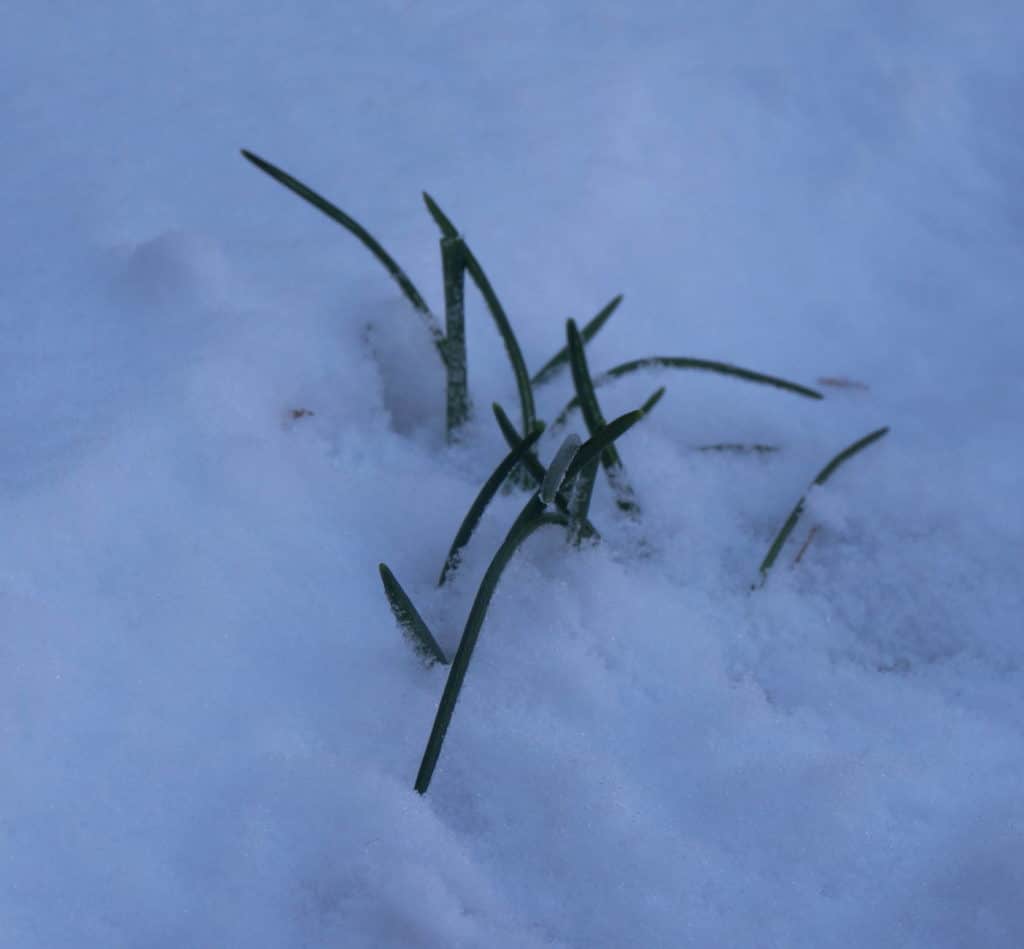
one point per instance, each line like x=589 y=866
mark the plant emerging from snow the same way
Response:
x=560 y=493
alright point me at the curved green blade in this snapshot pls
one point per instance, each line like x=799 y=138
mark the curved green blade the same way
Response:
x=536 y=471
x=594 y=420
x=581 y=489
x=531 y=463
x=685 y=362
x=794 y=516
x=530 y=519
x=847 y=453
x=479 y=505
x=440 y=218
x=551 y=368
x=515 y=354
x=616 y=428
x=365 y=237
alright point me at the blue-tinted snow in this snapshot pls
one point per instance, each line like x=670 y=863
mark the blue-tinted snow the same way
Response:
x=209 y=723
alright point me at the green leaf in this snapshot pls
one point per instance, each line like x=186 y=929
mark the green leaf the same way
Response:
x=550 y=369
x=822 y=476
x=556 y=470
x=530 y=462
x=530 y=519
x=739 y=448
x=515 y=354
x=409 y=619
x=593 y=446
x=440 y=218
x=479 y=505
x=369 y=242
x=652 y=400
x=685 y=362
x=579 y=478
x=535 y=470
x=453 y=269
x=847 y=453
x=594 y=420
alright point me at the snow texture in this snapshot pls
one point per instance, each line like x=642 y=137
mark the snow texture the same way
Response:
x=219 y=416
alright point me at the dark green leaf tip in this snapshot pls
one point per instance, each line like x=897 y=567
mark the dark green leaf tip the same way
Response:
x=530 y=519
x=484 y=497
x=448 y=229
x=848 y=453
x=357 y=230
x=594 y=445
x=409 y=619
x=556 y=362
x=823 y=476
x=652 y=401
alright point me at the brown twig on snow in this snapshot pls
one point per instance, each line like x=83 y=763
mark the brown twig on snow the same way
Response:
x=807 y=543
x=841 y=382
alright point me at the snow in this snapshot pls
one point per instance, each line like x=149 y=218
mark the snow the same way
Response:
x=220 y=416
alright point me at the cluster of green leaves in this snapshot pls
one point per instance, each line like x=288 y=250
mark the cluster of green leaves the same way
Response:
x=561 y=492
x=458 y=260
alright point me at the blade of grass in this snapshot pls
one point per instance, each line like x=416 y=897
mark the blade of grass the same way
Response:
x=593 y=446
x=409 y=619
x=453 y=269
x=368 y=241
x=534 y=470
x=847 y=453
x=739 y=448
x=556 y=470
x=515 y=354
x=530 y=462
x=529 y=520
x=685 y=362
x=440 y=218
x=479 y=505
x=594 y=420
x=709 y=365
x=550 y=369
x=580 y=491
x=822 y=476
x=652 y=400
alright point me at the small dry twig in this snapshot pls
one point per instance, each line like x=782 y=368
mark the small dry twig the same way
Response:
x=841 y=382
x=807 y=543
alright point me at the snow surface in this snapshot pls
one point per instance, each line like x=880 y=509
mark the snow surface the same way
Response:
x=209 y=722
